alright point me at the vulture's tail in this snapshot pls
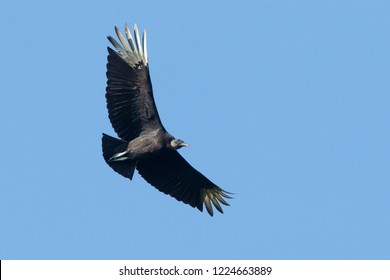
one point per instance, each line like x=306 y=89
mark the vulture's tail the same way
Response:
x=113 y=153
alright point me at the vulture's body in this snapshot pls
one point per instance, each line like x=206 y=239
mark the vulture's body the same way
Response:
x=144 y=143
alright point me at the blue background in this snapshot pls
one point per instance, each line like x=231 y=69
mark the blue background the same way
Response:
x=284 y=103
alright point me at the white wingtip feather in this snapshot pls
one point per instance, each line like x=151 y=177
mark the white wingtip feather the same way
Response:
x=145 y=49
x=138 y=41
x=121 y=38
x=130 y=38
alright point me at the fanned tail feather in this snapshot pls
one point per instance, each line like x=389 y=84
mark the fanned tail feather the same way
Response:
x=113 y=149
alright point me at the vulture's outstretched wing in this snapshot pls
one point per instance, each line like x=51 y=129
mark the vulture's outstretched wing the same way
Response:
x=172 y=174
x=130 y=102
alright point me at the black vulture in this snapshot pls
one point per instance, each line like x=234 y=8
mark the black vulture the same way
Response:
x=144 y=143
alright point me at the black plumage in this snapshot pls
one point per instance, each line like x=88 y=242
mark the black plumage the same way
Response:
x=144 y=143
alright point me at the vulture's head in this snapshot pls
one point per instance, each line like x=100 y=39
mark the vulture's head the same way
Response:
x=177 y=144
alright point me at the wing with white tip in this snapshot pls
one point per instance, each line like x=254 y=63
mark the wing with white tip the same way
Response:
x=173 y=175
x=130 y=102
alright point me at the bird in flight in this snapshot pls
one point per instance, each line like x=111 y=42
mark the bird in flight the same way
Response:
x=144 y=143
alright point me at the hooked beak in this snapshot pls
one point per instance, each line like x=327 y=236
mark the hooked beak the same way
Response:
x=184 y=145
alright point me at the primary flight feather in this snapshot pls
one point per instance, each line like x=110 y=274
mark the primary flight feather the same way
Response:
x=144 y=143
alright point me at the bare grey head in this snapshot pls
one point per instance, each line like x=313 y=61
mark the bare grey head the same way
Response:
x=178 y=143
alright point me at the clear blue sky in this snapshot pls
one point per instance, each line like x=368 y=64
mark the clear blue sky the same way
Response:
x=284 y=103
